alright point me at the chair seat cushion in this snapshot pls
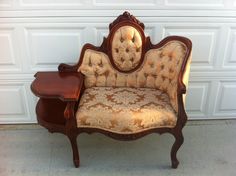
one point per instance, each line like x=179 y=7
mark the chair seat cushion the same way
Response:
x=125 y=110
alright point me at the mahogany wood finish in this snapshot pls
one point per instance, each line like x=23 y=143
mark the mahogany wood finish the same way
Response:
x=60 y=93
x=65 y=86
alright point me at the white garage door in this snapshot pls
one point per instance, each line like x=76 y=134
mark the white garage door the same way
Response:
x=38 y=35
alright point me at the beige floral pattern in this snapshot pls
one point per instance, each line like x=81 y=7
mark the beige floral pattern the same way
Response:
x=124 y=109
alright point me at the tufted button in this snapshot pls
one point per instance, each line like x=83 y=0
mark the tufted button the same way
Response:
x=122 y=59
x=171 y=70
x=133 y=39
x=162 y=67
x=117 y=50
x=131 y=59
x=163 y=78
x=107 y=73
x=121 y=39
x=127 y=50
x=178 y=62
x=164 y=89
x=161 y=54
x=137 y=49
x=170 y=55
x=151 y=64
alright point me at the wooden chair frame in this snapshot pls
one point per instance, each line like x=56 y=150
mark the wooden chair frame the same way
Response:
x=58 y=103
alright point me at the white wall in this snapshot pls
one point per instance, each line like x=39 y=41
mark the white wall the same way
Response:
x=38 y=35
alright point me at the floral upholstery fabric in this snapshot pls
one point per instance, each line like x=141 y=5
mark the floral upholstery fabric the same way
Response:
x=159 y=70
x=125 y=110
x=126 y=48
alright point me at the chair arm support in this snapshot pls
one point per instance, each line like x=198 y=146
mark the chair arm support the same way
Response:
x=69 y=115
x=182 y=116
x=181 y=86
x=69 y=111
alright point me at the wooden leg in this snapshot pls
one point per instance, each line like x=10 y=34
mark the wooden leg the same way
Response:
x=74 y=150
x=179 y=139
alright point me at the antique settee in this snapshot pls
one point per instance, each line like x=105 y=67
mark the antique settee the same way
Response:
x=126 y=88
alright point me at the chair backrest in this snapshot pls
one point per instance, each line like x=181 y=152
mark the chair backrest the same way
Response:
x=127 y=58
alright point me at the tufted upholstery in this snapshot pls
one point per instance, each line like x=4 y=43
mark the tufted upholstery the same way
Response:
x=126 y=48
x=125 y=110
x=159 y=70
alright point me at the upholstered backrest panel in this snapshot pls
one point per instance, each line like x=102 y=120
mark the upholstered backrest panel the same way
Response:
x=126 y=48
x=159 y=70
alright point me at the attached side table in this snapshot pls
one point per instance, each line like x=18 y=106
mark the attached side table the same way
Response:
x=56 y=90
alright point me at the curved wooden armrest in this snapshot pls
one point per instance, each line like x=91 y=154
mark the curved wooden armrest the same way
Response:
x=65 y=86
x=67 y=68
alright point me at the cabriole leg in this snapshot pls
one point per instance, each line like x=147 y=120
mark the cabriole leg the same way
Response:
x=179 y=139
x=74 y=150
